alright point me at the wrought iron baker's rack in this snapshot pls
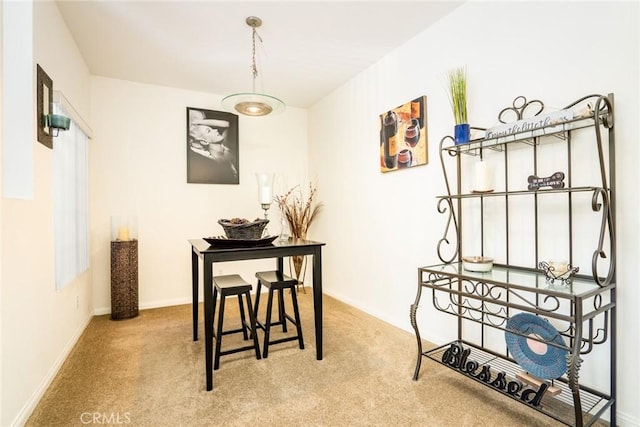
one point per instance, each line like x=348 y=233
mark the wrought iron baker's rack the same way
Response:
x=583 y=309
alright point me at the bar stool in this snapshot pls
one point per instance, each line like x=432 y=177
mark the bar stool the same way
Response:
x=277 y=281
x=233 y=285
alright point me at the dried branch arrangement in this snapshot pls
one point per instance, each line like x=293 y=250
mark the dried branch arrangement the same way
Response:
x=299 y=209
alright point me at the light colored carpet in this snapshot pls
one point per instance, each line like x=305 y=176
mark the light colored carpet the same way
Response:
x=148 y=371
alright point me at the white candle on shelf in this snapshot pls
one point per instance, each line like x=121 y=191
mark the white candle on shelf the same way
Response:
x=482 y=177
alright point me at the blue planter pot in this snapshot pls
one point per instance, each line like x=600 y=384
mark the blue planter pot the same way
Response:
x=462 y=134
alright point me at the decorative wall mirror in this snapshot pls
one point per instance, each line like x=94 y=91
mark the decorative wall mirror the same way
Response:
x=45 y=106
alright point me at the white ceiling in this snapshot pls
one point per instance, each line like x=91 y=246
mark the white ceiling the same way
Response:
x=308 y=49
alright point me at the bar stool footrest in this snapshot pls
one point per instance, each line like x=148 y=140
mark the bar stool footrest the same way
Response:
x=287 y=339
x=236 y=350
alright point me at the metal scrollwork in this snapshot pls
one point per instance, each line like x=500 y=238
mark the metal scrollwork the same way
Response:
x=605 y=225
x=597 y=302
x=596 y=336
x=602 y=334
x=449 y=308
x=518 y=108
x=551 y=302
x=444 y=206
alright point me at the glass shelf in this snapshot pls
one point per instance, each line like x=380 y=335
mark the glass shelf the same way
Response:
x=520 y=192
x=519 y=278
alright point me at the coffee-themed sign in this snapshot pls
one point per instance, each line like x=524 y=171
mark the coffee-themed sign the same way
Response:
x=530 y=124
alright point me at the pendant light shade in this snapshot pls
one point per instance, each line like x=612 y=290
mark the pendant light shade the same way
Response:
x=252 y=103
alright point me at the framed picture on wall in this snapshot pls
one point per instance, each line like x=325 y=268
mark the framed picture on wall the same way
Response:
x=212 y=147
x=403 y=136
x=44 y=91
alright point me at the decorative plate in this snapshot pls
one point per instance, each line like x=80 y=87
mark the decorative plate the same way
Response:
x=222 y=241
x=540 y=359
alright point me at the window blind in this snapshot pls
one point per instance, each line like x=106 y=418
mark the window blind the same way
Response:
x=71 y=202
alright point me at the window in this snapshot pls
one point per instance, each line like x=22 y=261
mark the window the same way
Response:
x=70 y=194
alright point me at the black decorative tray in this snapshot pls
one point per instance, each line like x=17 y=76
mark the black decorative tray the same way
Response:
x=225 y=242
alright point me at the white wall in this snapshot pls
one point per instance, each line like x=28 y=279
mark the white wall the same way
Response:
x=379 y=228
x=138 y=167
x=17 y=49
x=39 y=324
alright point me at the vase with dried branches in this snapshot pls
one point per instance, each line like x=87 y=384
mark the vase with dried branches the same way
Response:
x=299 y=208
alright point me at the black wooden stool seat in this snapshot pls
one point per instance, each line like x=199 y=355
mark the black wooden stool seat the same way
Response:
x=234 y=285
x=276 y=281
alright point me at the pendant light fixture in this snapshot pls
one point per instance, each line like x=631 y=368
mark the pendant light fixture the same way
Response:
x=253 y=104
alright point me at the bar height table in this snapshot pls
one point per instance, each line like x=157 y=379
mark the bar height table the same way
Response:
x=200 y=249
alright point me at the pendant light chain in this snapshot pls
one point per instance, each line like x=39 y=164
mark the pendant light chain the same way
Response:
x=253 y=104
x=254 y=67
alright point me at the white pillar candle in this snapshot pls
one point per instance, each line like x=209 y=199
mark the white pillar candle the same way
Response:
x=123 y=233
x=265 y=188
x=265 y=195
x=482 y=177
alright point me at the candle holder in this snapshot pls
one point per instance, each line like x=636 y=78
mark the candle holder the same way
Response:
x=561 y=271
x=265 y=194
x=124 y=228
x=124 y=267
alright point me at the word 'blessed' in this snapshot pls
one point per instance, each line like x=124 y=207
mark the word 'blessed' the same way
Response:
x=456 y=357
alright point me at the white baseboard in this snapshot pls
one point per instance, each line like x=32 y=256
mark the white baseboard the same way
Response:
x=626 y=420
x=154 y=304
x=161 y=303
x=33 y=401
x=376 y=314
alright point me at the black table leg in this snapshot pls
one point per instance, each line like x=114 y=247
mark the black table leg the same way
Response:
x=194 y=291
x=317 y=299
x=208 y=319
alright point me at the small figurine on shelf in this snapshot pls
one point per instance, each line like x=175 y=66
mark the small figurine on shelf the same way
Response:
x=558 y=270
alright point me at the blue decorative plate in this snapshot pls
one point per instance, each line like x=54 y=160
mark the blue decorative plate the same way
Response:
x=538 y=358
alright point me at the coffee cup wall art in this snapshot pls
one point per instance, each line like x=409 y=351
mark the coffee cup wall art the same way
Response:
x=403 y=136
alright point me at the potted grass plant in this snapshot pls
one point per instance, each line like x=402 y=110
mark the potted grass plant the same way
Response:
x=458 y=98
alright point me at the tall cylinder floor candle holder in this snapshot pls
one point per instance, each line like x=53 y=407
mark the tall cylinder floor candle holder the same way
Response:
x=124 y=268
